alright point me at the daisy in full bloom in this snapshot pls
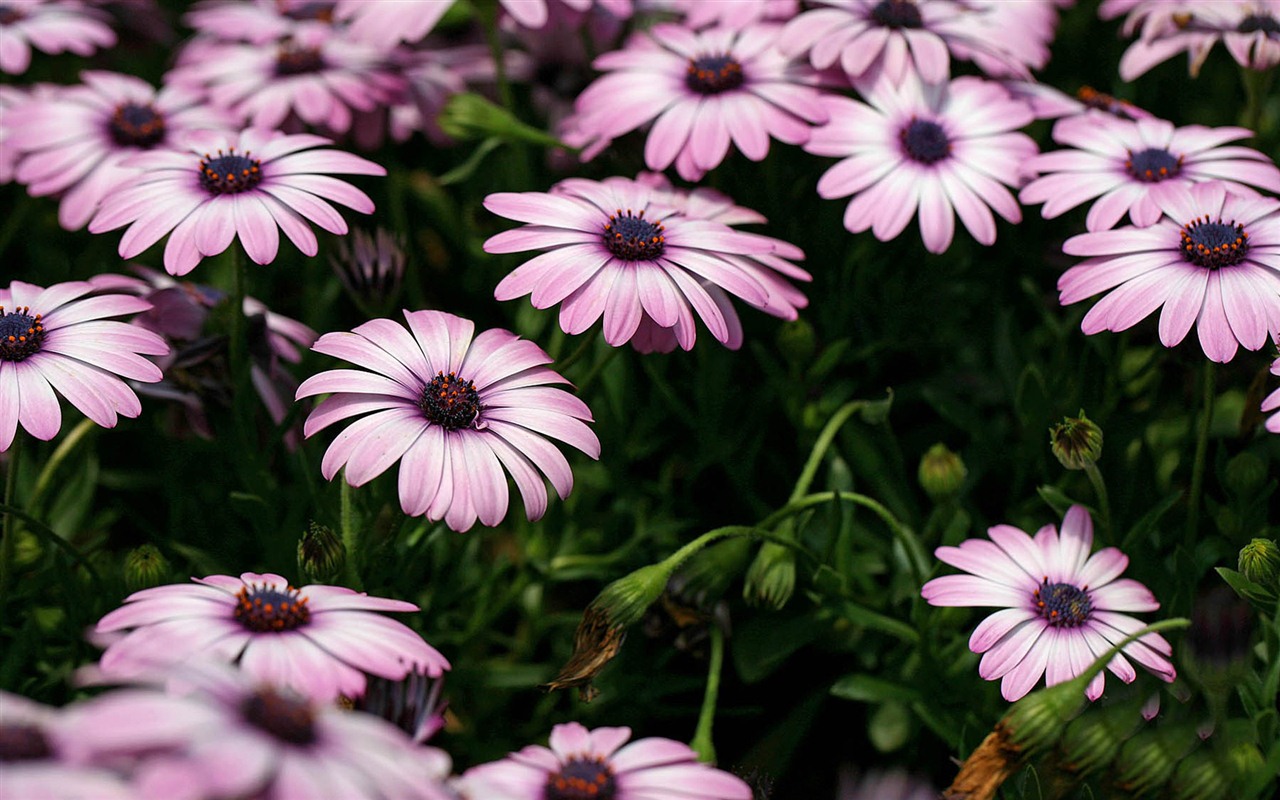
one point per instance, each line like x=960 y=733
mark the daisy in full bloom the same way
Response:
x=1213 y=261
x=37 y=749
x=257 y=21
x=896 y=37
x=318 y=641
x=738 y=14
x=252 y=184
x=1135 y=167
x=601 y=764
x=74 y=142
x=59 y=339
x=1272 y=402
x=617 y=251
x=457 y=411
x=947 y=150
x=52 y=26
x=702 y=91
x=387 y=24
x=1060 y=606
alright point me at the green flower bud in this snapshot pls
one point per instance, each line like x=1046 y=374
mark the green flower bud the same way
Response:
x=145 y=567
x=1092 y=740
x=321 y=555
x=796 y=341
x=1246 y=473
x=1260 y=563
x=1242 y=762
x=1036 y=722
x=1076 y=441
x=941 y=472
x=771 y=579
x=1198 y=777
x=1147 y=761
x=471 y=116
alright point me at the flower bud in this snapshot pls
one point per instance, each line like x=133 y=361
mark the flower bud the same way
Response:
x=771 y=578
x=370 y=267
x=321 y=555
x=1245 y=474
x=1092 y=740
x=1198 y=777
x=1260 y=563
x=796 y=341
x=941 y=472
x=1076 y=441
x=1147 y=761
x=471 y=116
x=145 y=567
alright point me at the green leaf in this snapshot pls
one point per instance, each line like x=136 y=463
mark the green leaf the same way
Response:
x=1055 y=498
x=866 y=688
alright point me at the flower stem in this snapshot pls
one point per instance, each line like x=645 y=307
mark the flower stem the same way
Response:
x=1257 y=88
x=9 y=545
x=1100 y=489
x=350 y=534
x=239 y=325
x=65 y=448
x=1202 y=450
x=701 y=743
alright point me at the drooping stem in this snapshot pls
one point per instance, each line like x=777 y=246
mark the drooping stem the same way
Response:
x=1202 y=450
x=702 y=744
x=350 y=534
x=9 y=545
x=1100 y=489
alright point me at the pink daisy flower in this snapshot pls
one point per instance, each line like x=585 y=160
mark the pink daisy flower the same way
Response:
x=316 y=76
x=256 y=21
x=318 y=641
x=51 y=26
x=614 y=250
x=41 y=759
x=1213 y=261
x=457 y=413
x=896 y=37
x=1061 y=606
x=739 y=14
x=1252 y=35
x=1272 y=402
x=58 y=339
x=1136 y=167
x=702 y=91
x=946 y=150
x=252 y=184
x=74 y=143
x=1170 y=27
x=601 y=765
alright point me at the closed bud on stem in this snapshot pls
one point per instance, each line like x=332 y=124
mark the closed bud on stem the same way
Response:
x=321 y=555
x=1147 y=761
x=471 y=116
x=1076 y=441
x=145 y=567
x=1198 y=777
x=1246 y=473
x=796 y=341
x=941 y=472
x=370 y=267
x=1260 y=563
x=771 y=579
x=1092 y=740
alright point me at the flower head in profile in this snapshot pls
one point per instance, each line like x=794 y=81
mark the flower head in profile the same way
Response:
x=74 y=142
x=942 y=150
x=1249 y=29
x=253 y=185
x=458 y=411
x=1062 y=608
x=1136 y=167
x=600 y=764
x=703 y=91
x=1272 y=402
x=1213 y=261
x=317 y=641
x=616 y=250
x=51 y=26
x=59 y=339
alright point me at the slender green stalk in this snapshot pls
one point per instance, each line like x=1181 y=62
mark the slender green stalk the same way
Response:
x=819 y=450
x=1100 y=489
x=702 y=743
x=1202 y=450
x=598 y=368
x=1257 y=88
x=562 y=366
x=65 y=448
x=49 y=536
x=9 y=545
x=350 y=534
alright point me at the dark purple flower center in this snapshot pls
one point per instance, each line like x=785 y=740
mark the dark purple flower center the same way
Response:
x=1063 y=605
x=581 y=778
x=287 y=718
x=136 y=125
x=9 y=14
x=713 y=74
x=21 y=333
x=1214 y=244
x=23 y=743
x=294 y=60
x=302 y=12
x=1153 y=164
x=925 y=141
x=1253 y=23
x=230 y=172
x=267 y=609
x=450 y=402
x=897 y=14
x=634 y=238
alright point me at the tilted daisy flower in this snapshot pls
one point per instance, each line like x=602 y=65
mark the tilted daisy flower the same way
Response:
x=74 y=143
x=57 y=339
x=253 y=184
x=1212 y=261
x=600 y=764
x=318 y=641
x=738 y=14
x=1135 y=167
x=1252 y=35
x=944 y=150
x=51 y=26
x=316 y=76
x=387 y=24
x=1170 y=27
x=702 y=91
x=614 y=250
x=1062 y=607
x=458 y=411
x=256 y=21
x=896 y=37
x=1272 y=402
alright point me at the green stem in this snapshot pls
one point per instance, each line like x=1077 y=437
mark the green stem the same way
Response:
x=65 y=448
x=1100 y=489
x=702 y=743
x=820 y=447
x=1257 y=86
x=9 y=545
x=563 y=365
x=350 y=534
x=597 y=368
x=239 y=344
x=49 y=536
x=1202 y=450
